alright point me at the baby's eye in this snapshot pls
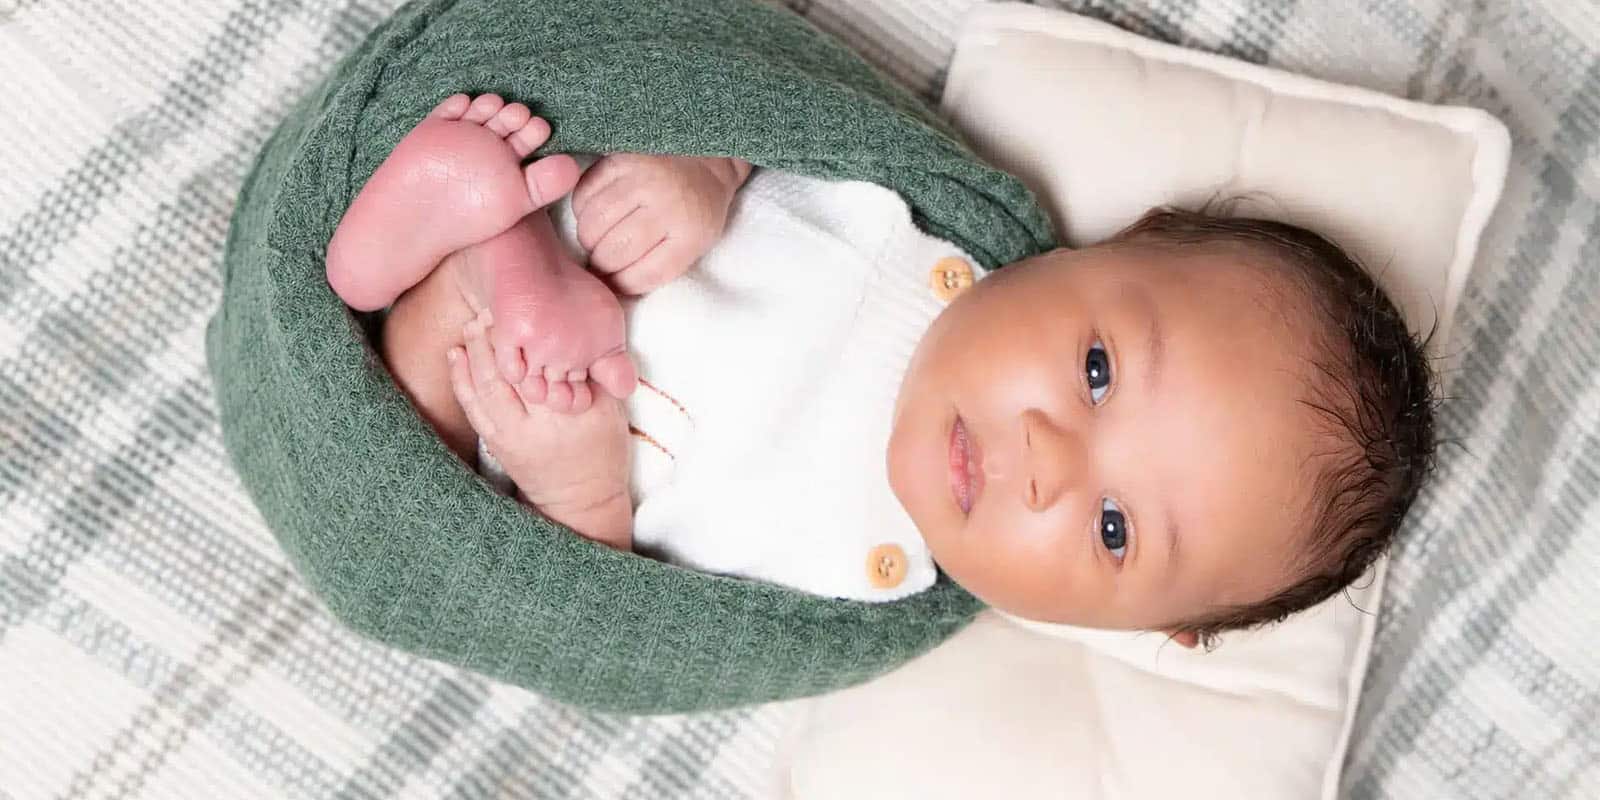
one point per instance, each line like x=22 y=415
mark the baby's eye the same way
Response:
x=1097 y=368
x=1113 y=529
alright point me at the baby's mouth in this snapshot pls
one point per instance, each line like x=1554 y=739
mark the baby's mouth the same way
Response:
x=966 y=461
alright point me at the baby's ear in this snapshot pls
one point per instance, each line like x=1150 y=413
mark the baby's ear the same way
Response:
x=1186 y=638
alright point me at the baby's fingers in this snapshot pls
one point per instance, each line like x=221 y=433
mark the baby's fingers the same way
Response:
x=533 y=390
x=595 y=183
x=604 y=213
x=629 y=241
x=494 y=394
x=654 y=269
x=582 y=396
x=467 y=394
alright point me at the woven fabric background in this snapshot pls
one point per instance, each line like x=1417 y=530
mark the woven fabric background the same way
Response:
x=153 y=643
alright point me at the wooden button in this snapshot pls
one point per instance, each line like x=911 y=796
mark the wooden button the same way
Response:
x=886 y=566
x=950 y=277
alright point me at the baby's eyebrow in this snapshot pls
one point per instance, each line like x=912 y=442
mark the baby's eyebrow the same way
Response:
x=1172 y=541
x=1155 y=340
x=1157 y=348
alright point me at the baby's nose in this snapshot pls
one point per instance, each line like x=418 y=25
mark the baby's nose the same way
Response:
x=1052 y=457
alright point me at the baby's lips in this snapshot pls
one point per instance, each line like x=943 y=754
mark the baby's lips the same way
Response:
x=964 y=461
x=974 y=468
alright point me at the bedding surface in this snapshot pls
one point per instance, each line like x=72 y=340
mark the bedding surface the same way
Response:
x=154 y=643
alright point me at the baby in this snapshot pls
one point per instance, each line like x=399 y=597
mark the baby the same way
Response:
x=1202 y=424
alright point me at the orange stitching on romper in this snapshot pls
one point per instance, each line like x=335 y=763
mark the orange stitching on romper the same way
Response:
x=653 y=442
x=647 y=437
x=670 y=399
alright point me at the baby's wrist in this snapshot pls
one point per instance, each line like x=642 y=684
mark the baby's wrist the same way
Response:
x=732 y=172
x=570 y=496
x=604 y=517
x=741 y=170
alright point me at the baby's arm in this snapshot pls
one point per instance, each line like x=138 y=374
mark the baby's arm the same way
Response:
x=645 y=219
x=573 y=468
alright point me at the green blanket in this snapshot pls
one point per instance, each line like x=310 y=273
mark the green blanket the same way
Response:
x=399 y=538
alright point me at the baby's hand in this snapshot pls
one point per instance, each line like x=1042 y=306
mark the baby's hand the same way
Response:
x=572 y=467
x=645 y=219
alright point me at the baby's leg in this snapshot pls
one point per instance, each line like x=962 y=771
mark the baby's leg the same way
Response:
x=455 y=180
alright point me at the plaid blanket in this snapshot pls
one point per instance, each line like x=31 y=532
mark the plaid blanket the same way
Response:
x=153 y=642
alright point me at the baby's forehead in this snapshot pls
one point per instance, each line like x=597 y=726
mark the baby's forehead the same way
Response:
x=1244 y=529
x=1230 y=440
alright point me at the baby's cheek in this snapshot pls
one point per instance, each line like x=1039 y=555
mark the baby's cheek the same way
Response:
x=898 y=462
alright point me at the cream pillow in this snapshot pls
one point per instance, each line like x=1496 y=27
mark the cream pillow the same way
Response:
x=1103 y=125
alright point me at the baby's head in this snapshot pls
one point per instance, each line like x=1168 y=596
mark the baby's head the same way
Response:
x=1200 y=425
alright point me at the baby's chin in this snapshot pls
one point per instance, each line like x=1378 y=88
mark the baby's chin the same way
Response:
x=913 y=446
x=1011 y=608
x=981 y=582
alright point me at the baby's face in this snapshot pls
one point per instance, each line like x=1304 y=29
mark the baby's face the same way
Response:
x=1110 y=437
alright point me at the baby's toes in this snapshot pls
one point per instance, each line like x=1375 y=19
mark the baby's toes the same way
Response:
x=452 y=108
x=550 y=178
x=529 y=136
x=510 y=119
x=483 y=107
x=615 y=373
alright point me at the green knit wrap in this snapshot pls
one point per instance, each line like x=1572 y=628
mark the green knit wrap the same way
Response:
x=402 y=541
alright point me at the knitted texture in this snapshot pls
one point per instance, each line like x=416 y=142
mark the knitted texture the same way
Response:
x=154 y=643
x=399 y=539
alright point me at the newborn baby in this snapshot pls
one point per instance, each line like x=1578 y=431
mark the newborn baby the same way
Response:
x=1199 y=425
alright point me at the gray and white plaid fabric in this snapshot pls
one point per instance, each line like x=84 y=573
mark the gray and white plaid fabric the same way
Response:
x=153 y=642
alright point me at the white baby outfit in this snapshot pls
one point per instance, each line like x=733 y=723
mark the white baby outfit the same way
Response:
x=769 y=375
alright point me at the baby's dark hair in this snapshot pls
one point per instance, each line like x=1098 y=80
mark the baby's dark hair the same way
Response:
x=1374 y=393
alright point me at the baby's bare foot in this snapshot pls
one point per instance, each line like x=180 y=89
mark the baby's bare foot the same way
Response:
x=554 y=325
x=456 y=180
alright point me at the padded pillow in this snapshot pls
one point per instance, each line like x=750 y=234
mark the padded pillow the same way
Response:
x=1105 y=124
x=403 y=542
